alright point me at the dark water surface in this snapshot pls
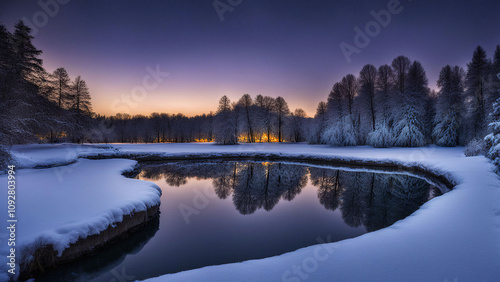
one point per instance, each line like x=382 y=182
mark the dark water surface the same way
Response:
x=221 y=212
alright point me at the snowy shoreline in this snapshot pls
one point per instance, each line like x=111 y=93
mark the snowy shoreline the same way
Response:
x=65 y=212
x=461 y=226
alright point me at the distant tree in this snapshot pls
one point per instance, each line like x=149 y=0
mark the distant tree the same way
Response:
x=268 y=117
x=476 y=83
x=336 y=106
x=246 y=104
x=449 y=106
x=225 y=127
x=282 y=111
x=296 y=126
x=156 y=119
x=319 y=124
x=80 y=97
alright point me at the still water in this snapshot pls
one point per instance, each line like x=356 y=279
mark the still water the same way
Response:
x=221 y=212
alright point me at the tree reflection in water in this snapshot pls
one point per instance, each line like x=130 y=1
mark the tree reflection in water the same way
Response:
x=374 y=200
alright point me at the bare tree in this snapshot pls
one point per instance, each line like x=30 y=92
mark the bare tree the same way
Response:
x=282 y=112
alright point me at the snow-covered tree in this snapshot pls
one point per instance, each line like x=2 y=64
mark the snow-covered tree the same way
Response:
x=492 y=140
x=225 y=128
x=341 y=133
x=477 y=91
x=382 y=137
x=493 y=80
x=367 y=80
x=409 y=127
x=340 y=108
x=319 y=124
x=295 y=128
x=384 y=102
x=449 y=106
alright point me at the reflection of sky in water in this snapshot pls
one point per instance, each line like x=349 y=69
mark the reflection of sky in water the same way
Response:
x=303 y=204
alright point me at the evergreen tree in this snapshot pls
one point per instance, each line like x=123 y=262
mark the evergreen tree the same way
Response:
x=336 y=106
x=492 y=140
x=476 y=83
x=80 y=97
x=448 y=118
x=493 y=79
x=60 y=81
x=28 y=64
x=7 y=62
x=409 y=128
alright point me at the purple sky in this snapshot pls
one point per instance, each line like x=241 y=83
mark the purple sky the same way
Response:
x=277 y=48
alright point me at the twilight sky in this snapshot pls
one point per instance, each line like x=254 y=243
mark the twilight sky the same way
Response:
x=283 y=48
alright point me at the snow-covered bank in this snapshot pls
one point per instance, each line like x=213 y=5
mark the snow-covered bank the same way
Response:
x=454 y=237
x=62 y=204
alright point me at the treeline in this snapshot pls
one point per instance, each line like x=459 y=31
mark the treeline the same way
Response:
x=125 y=128
x=263 y=119
x=34 y=103
x=392 y=105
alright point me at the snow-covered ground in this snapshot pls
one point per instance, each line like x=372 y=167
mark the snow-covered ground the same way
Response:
x=62 y=204
x=454 y=237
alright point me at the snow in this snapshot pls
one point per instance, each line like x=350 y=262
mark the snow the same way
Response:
x=454 y=237
x=62 y=204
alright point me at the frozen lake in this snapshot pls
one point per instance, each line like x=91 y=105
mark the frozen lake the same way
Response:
x=221 y=212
